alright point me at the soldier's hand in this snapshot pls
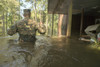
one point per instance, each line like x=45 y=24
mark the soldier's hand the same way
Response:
x=41 y=23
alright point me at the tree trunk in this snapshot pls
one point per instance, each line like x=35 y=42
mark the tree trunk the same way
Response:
x=41 y=16
x=47 y=25
x=35 y=11
x=6 y=18
x=3 y=24
x=52 y=23
x=6 y=21
x=19 y=9
x=50 y=27
x=60 y=24
x=11 y=20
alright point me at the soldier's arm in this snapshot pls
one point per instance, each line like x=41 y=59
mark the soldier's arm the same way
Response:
x=12 y=30
x=41 y=28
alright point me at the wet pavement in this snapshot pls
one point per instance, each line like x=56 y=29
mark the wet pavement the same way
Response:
x=47 y=52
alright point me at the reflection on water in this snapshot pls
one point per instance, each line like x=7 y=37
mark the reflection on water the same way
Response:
x=47 y=52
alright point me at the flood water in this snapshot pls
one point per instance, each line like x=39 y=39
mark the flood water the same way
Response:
x=47 y=52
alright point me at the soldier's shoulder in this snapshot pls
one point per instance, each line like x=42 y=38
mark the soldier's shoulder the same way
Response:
x=31 y=20
x=19 y=22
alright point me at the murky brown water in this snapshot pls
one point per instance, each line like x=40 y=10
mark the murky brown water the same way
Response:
x=47 y=52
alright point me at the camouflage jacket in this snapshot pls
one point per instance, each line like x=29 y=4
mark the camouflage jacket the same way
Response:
x=27 y=29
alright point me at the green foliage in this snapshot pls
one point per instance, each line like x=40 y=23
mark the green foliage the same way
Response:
x=97 y=43
x=9 y=13
x=11 y=10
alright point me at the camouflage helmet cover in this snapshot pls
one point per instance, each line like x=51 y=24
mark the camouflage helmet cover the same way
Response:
x=27 y=11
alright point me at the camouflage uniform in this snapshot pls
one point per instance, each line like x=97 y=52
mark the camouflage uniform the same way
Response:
x=27 y=29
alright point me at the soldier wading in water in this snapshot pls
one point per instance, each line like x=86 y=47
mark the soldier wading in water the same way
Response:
x=27 y=28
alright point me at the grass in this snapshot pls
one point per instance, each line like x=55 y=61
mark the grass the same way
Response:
x=95 y=45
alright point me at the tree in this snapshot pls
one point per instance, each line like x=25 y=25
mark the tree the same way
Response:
x=8 y=12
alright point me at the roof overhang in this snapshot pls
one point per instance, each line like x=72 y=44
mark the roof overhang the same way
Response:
x=61 y=6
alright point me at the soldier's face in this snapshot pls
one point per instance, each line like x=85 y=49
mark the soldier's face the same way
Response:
x=27 y=15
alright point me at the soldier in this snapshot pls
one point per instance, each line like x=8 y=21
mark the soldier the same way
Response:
x=27 y=28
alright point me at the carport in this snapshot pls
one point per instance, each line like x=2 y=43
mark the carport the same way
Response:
x=80 y=13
